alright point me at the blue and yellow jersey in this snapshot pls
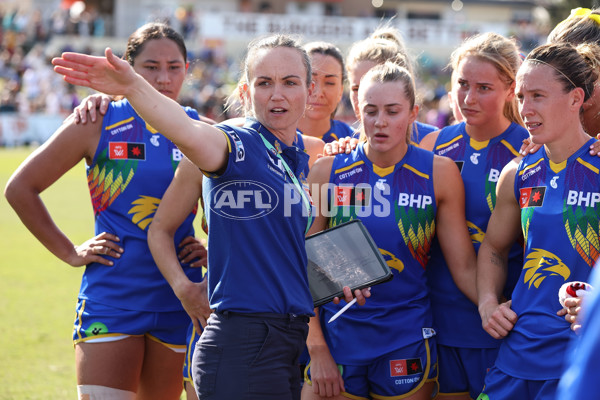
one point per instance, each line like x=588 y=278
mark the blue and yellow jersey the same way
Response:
x=560 y=217
x=337 y=130
x=480 y=164
x=257 y=221
x=420 y=130
x=398 y=207
x=132 y=168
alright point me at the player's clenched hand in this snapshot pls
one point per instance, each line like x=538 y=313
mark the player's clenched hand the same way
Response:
x=498 y=320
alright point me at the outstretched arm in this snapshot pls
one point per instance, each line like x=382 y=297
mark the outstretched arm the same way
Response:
x=492 y=261
x=202 y=143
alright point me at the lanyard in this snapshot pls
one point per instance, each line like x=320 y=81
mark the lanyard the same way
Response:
x=297 y=184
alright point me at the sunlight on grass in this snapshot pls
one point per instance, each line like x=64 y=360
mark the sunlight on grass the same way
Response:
x=38 y=292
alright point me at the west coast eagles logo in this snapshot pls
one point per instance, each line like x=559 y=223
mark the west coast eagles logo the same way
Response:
x=541 y=264
x=392 y=261
x=475 y=232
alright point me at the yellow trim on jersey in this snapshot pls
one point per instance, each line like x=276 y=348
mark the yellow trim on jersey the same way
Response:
x=587 y=164
x=383 y=171
x=119 y=123
x=353 y=397
x=228 y=140
x=356 y=164
x=188 y=355
x=557 y=167
x=529 y=167
x=478 y=145
x=442 y=395
x=441 y=146
x=150 y=128
x=80 y=323
x=211 y=175
x=413 y=169
x=509 y=147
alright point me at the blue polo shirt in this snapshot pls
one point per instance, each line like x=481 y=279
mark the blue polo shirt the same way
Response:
x=256 y=225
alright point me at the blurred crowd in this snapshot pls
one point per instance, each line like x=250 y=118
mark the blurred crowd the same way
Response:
x=29 y=86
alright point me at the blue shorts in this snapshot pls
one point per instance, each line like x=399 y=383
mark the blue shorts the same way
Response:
x=250 y=356
x=462 y=370
x=96 y=322
x=399 y=373
x=191 y=340
x=500 y=386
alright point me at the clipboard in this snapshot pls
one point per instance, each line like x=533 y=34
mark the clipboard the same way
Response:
x=345 y=255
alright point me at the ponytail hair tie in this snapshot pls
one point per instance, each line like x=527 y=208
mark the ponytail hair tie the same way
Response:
x=584 y=12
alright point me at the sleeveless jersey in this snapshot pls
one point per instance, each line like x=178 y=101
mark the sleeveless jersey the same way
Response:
x=397 y=205
x=420 y=130
x=132 y=168
x=337 y=130
x=560 y=214
x=256 y=226
x=456 y=318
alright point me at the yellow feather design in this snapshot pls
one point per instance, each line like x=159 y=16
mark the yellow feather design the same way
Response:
x=143 y=210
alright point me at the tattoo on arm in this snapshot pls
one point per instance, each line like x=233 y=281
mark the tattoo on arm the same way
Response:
x=498 y=260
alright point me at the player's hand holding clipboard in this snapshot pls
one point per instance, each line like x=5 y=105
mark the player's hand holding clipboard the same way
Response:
x=344 y=255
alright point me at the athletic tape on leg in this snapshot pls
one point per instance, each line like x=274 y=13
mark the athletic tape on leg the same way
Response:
x=96 y=392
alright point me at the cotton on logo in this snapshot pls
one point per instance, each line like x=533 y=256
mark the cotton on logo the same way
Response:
x=243 y=200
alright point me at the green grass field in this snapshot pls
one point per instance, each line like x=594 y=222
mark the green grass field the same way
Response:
x=38 y=292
